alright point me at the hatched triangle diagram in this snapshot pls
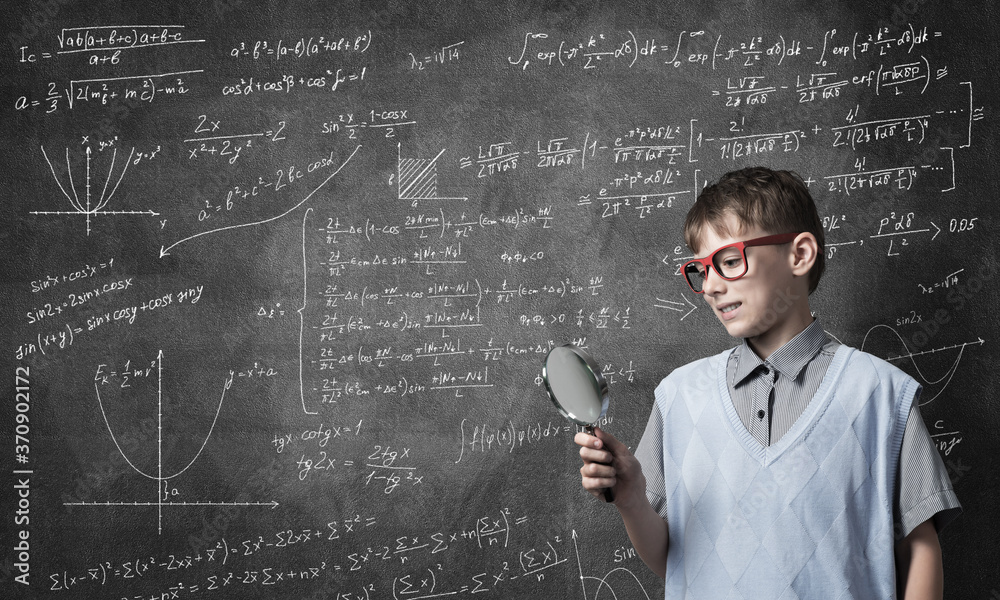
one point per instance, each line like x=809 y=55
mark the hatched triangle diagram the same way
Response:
x=417 y=178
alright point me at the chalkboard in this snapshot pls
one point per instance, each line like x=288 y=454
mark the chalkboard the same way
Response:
x=278 y=277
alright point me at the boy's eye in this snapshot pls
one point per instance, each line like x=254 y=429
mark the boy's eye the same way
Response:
x=729 y=263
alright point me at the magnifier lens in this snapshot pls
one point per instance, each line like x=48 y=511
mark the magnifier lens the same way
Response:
x=573 y=385
x=577 y=388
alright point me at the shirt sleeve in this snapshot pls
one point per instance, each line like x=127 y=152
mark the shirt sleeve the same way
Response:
x=649 y=453
x=923 y=487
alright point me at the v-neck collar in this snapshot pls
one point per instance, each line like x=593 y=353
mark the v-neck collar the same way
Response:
x=813 y=411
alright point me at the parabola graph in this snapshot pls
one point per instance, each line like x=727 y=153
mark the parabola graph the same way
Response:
x=91 y=205
x=161 y=478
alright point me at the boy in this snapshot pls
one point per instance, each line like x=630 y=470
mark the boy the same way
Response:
x=789 y=466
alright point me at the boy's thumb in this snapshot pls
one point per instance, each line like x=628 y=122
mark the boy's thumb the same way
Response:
x=609 y=441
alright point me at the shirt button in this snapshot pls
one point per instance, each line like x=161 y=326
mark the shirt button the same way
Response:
x=760 y=414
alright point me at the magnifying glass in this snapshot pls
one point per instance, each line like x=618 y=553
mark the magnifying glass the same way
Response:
x=577 y=388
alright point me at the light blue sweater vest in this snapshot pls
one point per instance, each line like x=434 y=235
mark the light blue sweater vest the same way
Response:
x=809 y=517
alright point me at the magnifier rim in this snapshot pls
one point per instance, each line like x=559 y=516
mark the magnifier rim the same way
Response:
x=601 y=384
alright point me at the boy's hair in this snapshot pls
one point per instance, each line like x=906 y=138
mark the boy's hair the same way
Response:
x=775 y=202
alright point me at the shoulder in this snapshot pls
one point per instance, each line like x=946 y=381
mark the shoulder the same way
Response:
x=701 y=374
x=861 y=363
x=866 y=369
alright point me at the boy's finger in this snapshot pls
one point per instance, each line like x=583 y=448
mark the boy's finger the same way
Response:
x=609 y=441
x=598 y=484
x=597 y=456
x=596 y=469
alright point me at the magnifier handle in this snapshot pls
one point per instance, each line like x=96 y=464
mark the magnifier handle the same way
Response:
x=609 y=494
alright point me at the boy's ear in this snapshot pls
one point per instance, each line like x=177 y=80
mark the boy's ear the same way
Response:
x=804 y=249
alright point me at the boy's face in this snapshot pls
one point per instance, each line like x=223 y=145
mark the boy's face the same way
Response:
x=767 y=304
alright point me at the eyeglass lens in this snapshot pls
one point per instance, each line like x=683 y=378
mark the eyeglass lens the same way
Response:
x=728 y=262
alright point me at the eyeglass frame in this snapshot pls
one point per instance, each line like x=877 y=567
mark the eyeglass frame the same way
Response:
x=708 y=261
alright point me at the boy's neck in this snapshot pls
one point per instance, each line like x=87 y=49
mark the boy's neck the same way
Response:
x=767 y=343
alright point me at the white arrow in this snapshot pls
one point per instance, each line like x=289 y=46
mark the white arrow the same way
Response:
x=677 y=306
x=165 y=251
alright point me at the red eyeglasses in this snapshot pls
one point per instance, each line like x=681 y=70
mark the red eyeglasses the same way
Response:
x=729 y=262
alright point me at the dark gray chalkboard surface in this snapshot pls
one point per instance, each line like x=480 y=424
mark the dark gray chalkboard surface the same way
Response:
x=278 y=277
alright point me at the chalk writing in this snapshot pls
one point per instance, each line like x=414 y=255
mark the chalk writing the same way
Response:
x=325 y=378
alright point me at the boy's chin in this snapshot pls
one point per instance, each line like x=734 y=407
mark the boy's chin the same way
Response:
x=738 y=329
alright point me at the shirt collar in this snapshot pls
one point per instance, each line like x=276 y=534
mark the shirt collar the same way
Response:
x=788 y=360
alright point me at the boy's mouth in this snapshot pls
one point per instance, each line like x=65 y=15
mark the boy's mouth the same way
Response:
x=728 y=310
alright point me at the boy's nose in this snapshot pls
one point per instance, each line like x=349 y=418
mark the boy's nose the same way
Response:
x=713 y=284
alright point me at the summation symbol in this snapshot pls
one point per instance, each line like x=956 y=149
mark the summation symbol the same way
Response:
x=90 y=206
x=163 y=489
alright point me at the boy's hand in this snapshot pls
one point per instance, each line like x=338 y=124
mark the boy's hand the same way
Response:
x=607 y=463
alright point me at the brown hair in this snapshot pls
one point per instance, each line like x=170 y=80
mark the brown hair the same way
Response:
x=773 y=201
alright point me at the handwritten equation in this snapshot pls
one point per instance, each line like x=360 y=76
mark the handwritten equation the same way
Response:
x=298 y=272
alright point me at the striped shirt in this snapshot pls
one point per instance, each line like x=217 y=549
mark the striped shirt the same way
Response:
x=772 y=411
x=770 y=395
